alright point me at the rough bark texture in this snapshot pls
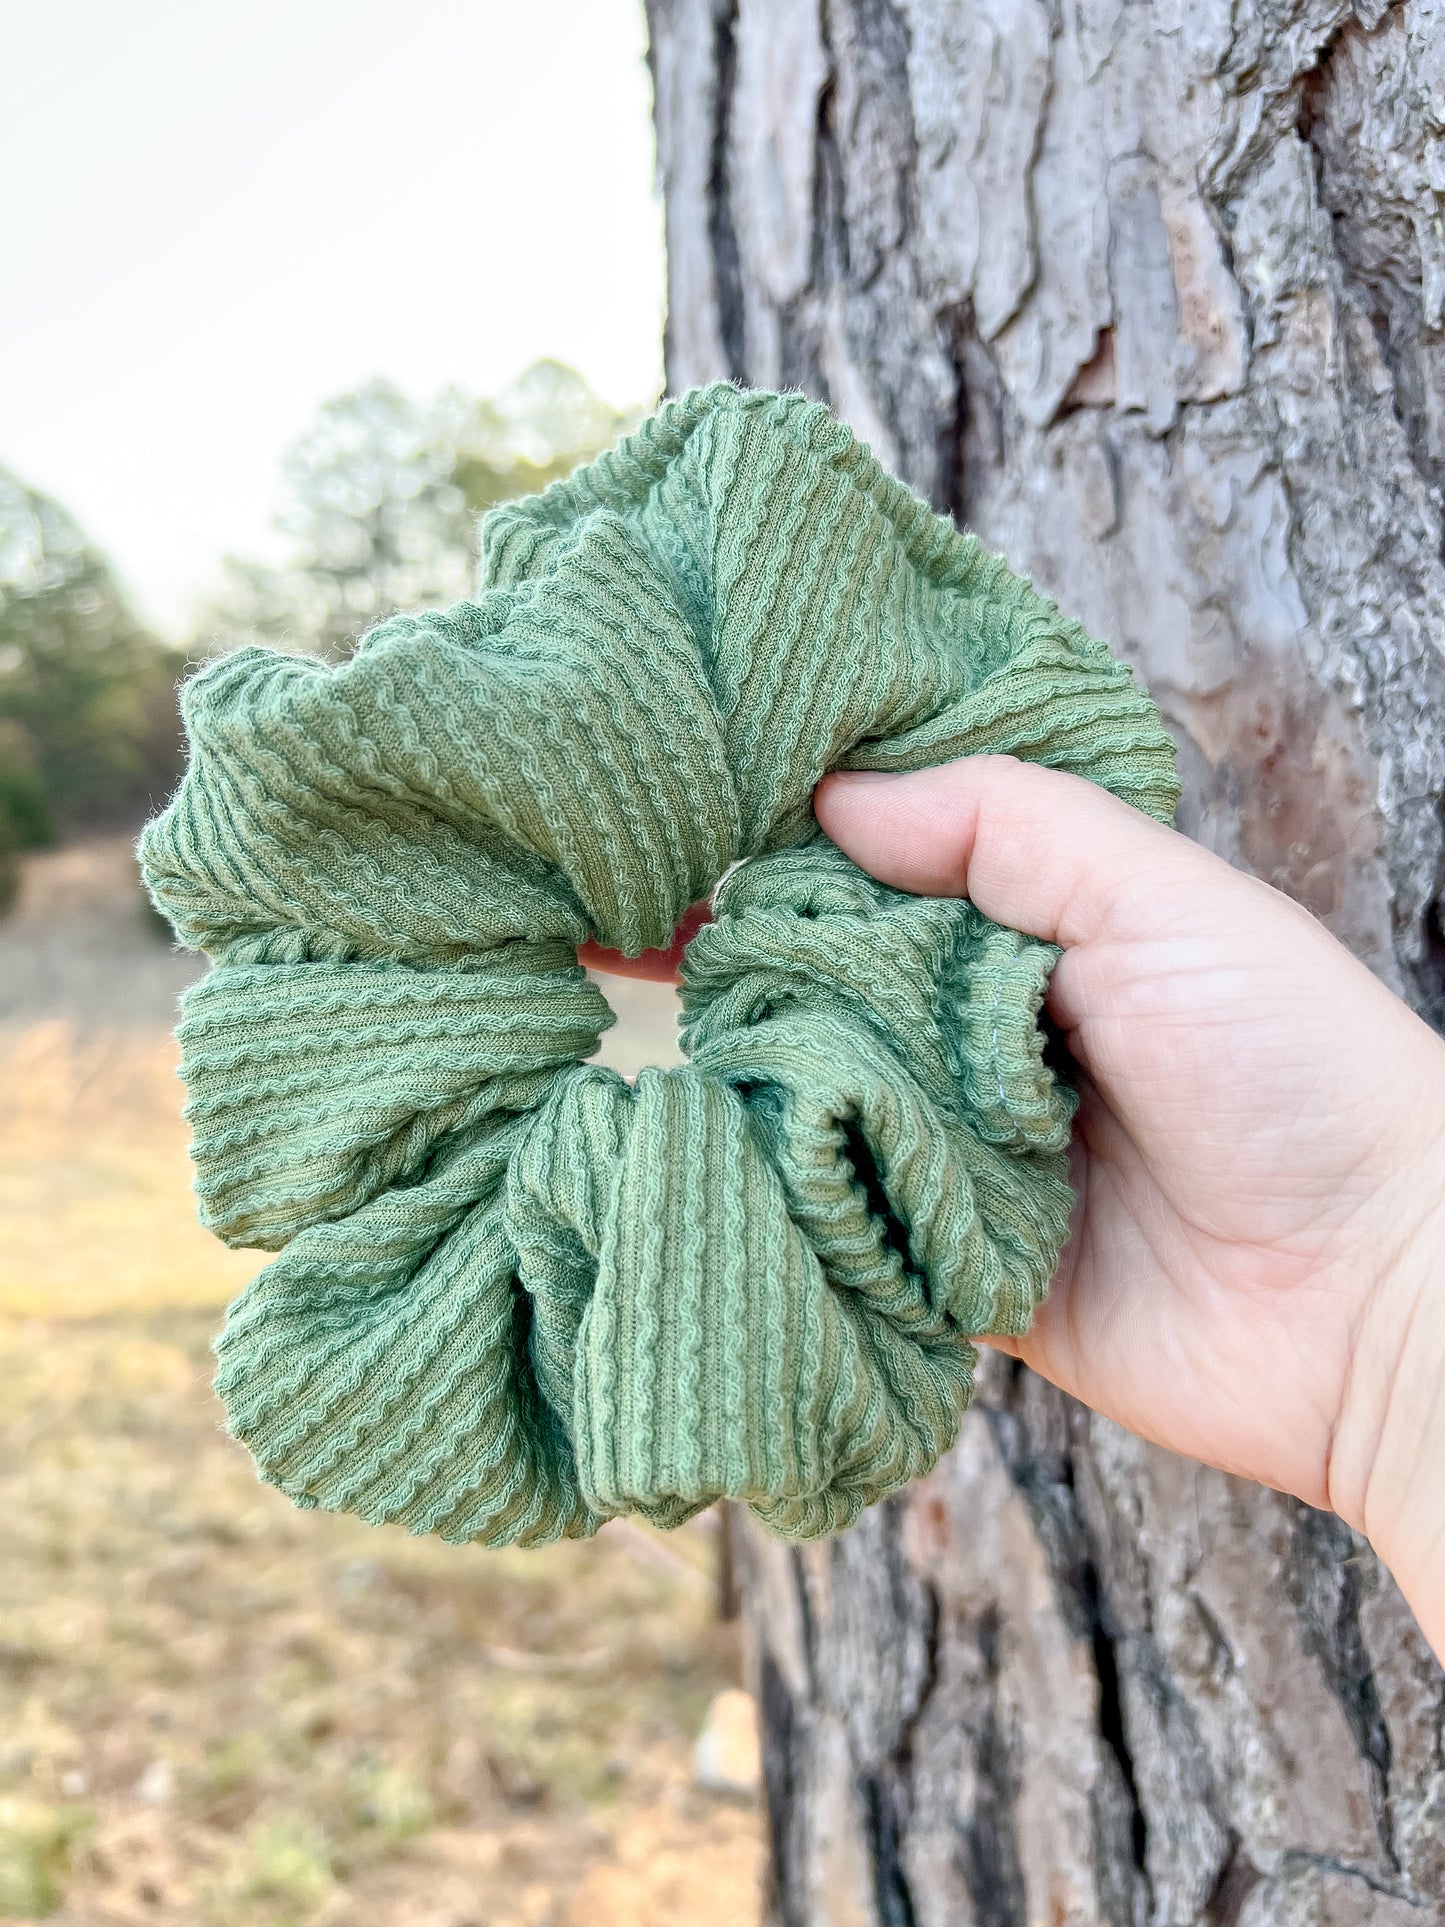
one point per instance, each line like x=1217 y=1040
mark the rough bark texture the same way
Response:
x=1152 y=297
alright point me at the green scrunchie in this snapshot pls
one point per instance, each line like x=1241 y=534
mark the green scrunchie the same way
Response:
x=518 y=1295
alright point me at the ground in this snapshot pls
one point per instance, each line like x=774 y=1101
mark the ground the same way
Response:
x=216 y=1711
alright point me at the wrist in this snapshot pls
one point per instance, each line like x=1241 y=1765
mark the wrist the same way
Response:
x=1387 y=1466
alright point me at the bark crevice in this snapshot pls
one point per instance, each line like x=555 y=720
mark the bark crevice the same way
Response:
x=1325 y=1583
x=1113 y=1730
x=992 y=1863
x=721 y=232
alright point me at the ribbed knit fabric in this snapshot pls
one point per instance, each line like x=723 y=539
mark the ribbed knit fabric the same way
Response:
x=517 y=1295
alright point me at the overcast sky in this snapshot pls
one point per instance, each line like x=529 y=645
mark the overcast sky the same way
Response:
x=214 y=216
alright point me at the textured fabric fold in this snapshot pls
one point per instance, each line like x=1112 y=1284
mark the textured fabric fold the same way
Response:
x=516 y=1295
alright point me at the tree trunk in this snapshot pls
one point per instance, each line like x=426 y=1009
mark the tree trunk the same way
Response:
x=1151 y=297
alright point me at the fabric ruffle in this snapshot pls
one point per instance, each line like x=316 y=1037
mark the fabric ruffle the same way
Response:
x=516 y=1295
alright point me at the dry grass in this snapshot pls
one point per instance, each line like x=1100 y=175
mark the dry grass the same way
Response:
x=217 y=1712
x=94 y=1179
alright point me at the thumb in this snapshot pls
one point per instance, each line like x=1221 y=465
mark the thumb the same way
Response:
x=1043 y=851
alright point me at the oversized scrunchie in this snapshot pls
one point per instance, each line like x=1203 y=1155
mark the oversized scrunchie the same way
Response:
x=516 y=1294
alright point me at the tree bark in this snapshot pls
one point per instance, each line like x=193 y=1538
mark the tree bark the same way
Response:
x=1151 y=296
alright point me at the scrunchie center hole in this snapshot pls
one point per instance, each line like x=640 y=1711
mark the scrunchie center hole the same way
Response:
x=659 y=966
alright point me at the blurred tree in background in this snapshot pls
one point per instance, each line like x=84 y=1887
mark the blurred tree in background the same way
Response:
x=382 y=499
x=88 y=726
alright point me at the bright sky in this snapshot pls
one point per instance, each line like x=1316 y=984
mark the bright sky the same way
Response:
x=213 y=217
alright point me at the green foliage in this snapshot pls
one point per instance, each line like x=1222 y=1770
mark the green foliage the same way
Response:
x=393 y=1801
x=382 y=496
x=37 y=1845
x=88 y=722
x=9 y=859
x=24 y=806
x=286 y=1866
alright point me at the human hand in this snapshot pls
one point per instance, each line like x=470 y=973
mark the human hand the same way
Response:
x=1251 y=1276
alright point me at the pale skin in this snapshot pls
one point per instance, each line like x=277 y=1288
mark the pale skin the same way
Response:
x=1255 y=1274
